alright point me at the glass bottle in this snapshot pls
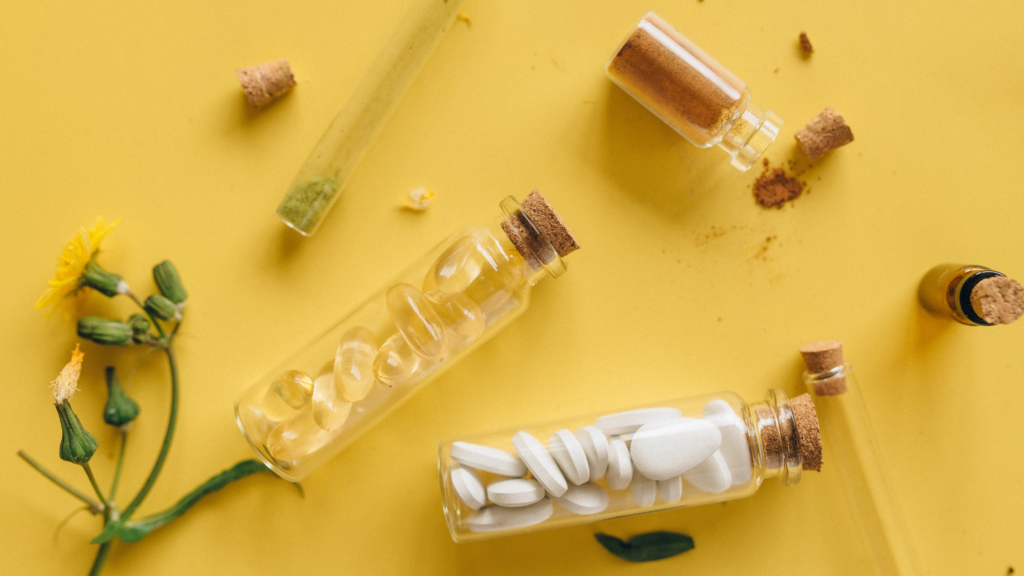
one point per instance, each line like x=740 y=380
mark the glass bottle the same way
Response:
x=972 y=295
x=852 y=447
x=582 y=469
x=691 y=92
x=441 y=307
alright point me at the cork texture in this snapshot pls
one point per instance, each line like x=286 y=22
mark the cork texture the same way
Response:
x=998 y=300
x=823 y=356
x=266 y=82
x=550 y=223
x=827 y=131
x=547 y=223
x=770 y=438
x=808 y=431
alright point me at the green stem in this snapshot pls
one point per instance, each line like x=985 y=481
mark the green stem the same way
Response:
x=120 y=464
x=95 y=485
x=94 y=506
x=168 y=436
x=151 y=318
x=101 y=557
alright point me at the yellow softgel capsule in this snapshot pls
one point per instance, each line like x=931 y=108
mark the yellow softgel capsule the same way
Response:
x=417 y=320
x=330 y=409
x=456 y=268
x=396 y=364
x=462 y=318
x=297 y=437
x=295 y=387
x=353 y=364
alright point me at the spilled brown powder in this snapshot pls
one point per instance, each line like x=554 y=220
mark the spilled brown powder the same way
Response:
x=774 y=187
x=805 y=43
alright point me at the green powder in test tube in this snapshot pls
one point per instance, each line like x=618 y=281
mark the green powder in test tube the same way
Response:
x=349 y=137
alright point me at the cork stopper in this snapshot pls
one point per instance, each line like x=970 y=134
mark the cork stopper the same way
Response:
x=807 y=431
x=547 y=223
x=998 y=300
x=821 y=357
x=266 y=82
x=827 y=131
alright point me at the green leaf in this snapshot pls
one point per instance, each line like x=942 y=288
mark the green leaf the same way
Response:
x=647 y=547
x=135 y=530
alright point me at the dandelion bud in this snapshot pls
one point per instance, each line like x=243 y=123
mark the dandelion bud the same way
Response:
x=161 y=307
x=76 y=444
x=108 y=284
x=120 y=410
x=167 y=279
x=140 y=327
x=103 y=331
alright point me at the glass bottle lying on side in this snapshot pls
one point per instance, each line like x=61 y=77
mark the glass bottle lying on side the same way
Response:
x=691 y=92
x=678 y=453
x=972 y=295
x=450 y=301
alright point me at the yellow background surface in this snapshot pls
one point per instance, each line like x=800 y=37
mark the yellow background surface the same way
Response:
x=132 y=110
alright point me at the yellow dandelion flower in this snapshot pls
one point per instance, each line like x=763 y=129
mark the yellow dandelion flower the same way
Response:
x=77 y=256
x=65 y=386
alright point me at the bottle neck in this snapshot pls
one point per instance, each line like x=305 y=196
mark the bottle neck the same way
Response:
x=946 y=291
x=749 y=136
x=828 y=383
x=778 y=439
x=539 y=255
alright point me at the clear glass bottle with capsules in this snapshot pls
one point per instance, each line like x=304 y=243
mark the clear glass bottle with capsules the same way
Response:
x=444 y=305
x=582 y=469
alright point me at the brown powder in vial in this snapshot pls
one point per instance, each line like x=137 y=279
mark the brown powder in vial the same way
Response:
x=696 y=103
x=998 y=300
x=805 y=43
x=773 y=188
x=826 y=131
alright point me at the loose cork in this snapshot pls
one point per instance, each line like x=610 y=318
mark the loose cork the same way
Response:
x=805 y=43
x=547 y=222
x=821 y=357
x=827 y=131
x=808 y=431
x=998 y=300
x=266 y=82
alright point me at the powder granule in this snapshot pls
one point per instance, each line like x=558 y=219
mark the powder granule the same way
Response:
x=266 y=82
x=774 y=187
x=805 y=43
x=827 y=131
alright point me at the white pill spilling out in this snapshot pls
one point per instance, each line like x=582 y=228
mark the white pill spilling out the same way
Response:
x=515 y=492
x=620 y=468
x=668 y=448
x=671 y=490
x=570 y=456
x=734 y=448
x=587 y=498
x=644 y=489
x=631 y=421
x=595 y=446
x=541 y=464
x=487 y=459
x=493 y=518
x=711 y=475
x=469 y=488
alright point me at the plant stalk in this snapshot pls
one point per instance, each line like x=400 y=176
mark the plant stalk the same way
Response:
x=120 y=464
x=94 y=506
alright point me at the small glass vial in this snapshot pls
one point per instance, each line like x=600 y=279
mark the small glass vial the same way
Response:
x=446 y=304
x=851 y=446
x=691 y=92
x=583 y=469
x=972 y=295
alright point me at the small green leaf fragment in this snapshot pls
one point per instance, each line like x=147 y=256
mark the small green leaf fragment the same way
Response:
x=647 y=547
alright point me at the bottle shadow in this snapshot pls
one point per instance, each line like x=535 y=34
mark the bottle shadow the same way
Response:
x=652 y=163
